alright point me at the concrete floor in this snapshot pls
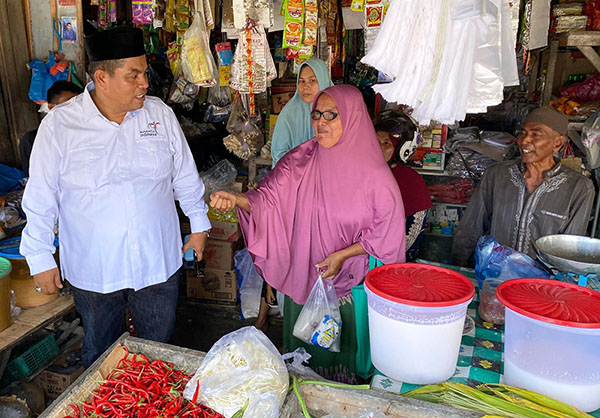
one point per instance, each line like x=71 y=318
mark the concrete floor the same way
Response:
x=200 y=325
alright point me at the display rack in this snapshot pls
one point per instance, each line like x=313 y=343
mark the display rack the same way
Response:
x=30 y=321
x=582 y=40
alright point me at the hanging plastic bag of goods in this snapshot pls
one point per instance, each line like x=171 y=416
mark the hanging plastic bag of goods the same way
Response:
x=447 y=58
x=197 y=63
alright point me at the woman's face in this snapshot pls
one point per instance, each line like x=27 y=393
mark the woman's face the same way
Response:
x=387 y=147
x=328 y=132
x=308 y=85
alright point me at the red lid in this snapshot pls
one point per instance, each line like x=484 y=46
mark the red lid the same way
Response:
x=552 y=301
x=420 y=285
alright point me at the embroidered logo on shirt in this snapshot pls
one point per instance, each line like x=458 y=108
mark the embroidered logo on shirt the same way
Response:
x=152 y=130
x=556 y=215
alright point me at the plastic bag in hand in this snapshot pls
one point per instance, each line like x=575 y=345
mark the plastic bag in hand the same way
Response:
x=320 y=322
x=499 y=261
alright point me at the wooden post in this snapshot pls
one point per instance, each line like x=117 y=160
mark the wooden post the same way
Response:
x=21 y=115
x=550 y=72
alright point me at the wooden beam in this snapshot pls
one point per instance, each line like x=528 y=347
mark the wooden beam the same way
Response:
x=579 y=38
x=591 y=55
x=82 y=54
x=27 y=15
x=54 y=15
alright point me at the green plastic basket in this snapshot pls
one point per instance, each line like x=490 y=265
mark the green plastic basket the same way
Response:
x=31 y=360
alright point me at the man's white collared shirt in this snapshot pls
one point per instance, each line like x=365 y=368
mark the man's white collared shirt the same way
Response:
x=112 y=189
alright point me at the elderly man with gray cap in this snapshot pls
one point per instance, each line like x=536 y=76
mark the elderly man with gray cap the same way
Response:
x=108 y=166
x=522 y=200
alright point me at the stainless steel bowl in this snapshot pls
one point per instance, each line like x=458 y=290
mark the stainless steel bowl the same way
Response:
x=570 y=253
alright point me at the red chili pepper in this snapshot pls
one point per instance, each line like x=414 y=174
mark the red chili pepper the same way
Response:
x=140 y=388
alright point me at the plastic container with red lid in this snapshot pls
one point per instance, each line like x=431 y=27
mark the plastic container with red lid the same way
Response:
x=416 y=318
x=552 y=340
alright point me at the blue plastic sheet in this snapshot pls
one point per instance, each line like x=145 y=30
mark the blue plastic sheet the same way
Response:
x=9 y=178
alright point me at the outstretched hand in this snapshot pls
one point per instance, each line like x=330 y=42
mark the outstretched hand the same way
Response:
x=222 y=200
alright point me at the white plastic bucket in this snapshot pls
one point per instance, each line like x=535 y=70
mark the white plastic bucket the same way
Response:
x=415 y=344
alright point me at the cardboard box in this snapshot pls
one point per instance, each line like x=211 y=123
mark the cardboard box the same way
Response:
x=240 y=185
x=272 y=122
x=280 y=100
x=219 y=254
x=215 y=286
x=57 y=380
x=225 y=231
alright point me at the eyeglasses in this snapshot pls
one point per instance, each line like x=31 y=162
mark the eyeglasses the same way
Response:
x=328 y=115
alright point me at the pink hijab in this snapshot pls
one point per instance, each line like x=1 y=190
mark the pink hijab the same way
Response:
x=317 y=201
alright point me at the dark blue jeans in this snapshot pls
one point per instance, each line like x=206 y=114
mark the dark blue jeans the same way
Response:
x=152 y=309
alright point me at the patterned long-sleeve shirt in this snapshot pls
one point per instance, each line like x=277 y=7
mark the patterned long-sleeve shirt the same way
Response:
x=502 y=206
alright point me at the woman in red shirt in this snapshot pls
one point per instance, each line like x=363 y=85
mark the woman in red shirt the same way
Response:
x=393 y=133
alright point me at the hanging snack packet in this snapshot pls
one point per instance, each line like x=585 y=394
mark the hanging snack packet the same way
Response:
x=224 y=53
x=102 y=13
x=182 y=14
x=374 y=16
x=305 y=52
x=293 y=23
x=111 y=14
x=358 y=5
x=173 y=57
x=311 y=24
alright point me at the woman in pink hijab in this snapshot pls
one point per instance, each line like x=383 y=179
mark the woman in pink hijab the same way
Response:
x=327 y=205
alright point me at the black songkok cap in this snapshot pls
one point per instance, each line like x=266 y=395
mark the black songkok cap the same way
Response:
x=115 y=43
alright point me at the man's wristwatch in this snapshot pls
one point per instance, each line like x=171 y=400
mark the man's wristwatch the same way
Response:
x=207 y=232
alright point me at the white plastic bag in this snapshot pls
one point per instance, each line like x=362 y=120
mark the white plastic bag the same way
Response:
x=320 y=322
x=242 y=366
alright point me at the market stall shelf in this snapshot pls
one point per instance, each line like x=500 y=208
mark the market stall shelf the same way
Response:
x=319 y=400
x=30 y=321
x=582 y=40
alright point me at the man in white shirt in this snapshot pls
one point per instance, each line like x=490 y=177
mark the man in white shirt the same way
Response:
x=107 y=166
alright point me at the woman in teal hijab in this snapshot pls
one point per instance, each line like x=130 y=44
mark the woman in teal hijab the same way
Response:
x=294 y=125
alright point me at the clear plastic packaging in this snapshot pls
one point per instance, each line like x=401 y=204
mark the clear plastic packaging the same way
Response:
x=251 y=287
x=320 y=321
x=242 y=366
x=490 y=308
x=499 y=261
x=218 y=176
x=197 y=62
x=590 y=138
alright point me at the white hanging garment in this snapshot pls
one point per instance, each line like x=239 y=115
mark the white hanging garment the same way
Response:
x=446 y=57
x=510 y=73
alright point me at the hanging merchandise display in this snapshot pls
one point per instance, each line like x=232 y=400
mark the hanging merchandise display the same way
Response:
x=107 y=12
x=259 y=11
x=252 y=59
x=225 y=56
x=197 y=62
x=301 y=26
x=375 y=13
x=142 y=11
x=457 y=60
